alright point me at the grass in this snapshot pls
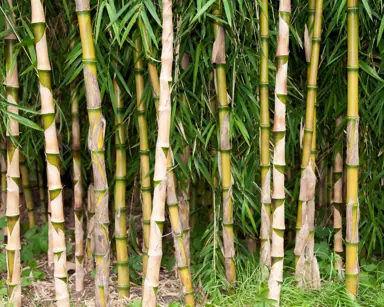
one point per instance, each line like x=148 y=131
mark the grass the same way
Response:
x=251 y=291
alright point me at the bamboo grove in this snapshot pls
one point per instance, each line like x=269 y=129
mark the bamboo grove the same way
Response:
x=190 y=139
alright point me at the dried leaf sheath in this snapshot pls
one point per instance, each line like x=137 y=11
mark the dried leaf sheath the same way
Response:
x=96 y=146
x=13 y=172
x=352 y=160
x=146 y=194
x=218 y=59
x=151 y=281
x=52 y=155
x=279 y=129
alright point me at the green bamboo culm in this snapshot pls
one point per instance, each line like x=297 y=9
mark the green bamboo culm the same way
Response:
x=96 y=147
x=3 y=170
x=27 y=189
x=42 y=191
x=146 y=188
x=352 y=160
x=52 y=156
x=219 y=62
x=265 y=164
x=121 y=237
x=279 y=130
x=307 y=270
x=13 y=173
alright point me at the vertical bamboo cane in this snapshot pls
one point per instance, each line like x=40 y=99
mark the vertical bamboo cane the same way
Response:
x=162 y=149
x=90 y=245
x=279 y=129
x=306 y=263
x=144 y=151
x=337 y=202
x=78 y=206
x=352 y=162
x=120 y=187
x=13 y=173
x=96 y=147
x=52 y=155
x=3 y=170
x=27 y=188
x=218 y=59
x=266 y=217
x=43 y=202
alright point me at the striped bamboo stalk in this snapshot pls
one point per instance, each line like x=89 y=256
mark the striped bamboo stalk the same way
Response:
x=96 y=135
x=265 y=164
x=123 y=284
x=151 y=281
x=306 y=262
x=219 y=61
x=144 y=151
x=337 y=202
x=13 y=173
x=52 y=155
x=352 y=161
x=279 y=130
x=27 y=188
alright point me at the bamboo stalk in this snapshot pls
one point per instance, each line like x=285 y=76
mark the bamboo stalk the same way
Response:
x=27 y=188
x=352 y=161
x=337 y=202
x=123 y=284
x=90 y=245
x=3 y=170
x=218 y=59
x=181 y=254
x=279 y=129
x=42 y=192
x=78 y=206
x=144 y=151
x=151 y=281
x=52 y=155
x=96 y=147
x=13 y=173
x=306 y=263
x=266 y=217
x=184 y=191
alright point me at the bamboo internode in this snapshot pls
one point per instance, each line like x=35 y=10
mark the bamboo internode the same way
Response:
x=352 y=160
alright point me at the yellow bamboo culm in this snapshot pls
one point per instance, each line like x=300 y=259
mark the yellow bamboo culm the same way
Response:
x=155 y=252
x=352 y=159
x=265 y=164
x=279 y=130
x=121 y=237
x=219 y=61
x=96 y=136
x=52 y=156
x=13 y=172
x=307 y=269
x=144 y=150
